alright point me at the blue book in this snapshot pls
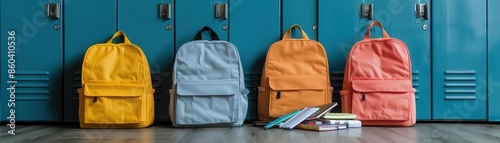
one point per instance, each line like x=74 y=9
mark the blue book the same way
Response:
x=281 y=119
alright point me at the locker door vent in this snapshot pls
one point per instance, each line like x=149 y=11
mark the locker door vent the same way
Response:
x=32 y=85
x=460 y=84
x=336 y=79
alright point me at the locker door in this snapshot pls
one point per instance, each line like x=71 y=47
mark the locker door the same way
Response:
x=493 y=58
x=400 y=21
x=264 y=30
x=88 y=22
x=302 y=12
x=35 y=54
x=459 y=60
x=341 y=26
x=1 y=74
x=155 y=36
x=194 y=15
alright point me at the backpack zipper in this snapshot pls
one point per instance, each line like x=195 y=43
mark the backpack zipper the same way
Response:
x=363 y=96
x=95 y=99
x=278 y=95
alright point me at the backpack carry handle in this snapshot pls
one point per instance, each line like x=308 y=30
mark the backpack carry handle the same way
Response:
x=376 y=23
x=117 y=34
x=288 y=33
x=206 y=28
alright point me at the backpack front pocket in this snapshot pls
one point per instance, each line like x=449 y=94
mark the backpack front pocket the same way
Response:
x=382 y=100
x=112 y=103
x=288 y=93
x=207 y=102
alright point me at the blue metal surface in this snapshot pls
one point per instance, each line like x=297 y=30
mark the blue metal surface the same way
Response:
x=38 y=61
x=252 y=32
x=340 y=27
x=1 y=74
x=400 y=21
x=459 y=60
x=88 y=22
x=195 y=15
x=493 y=58
x=147 y=30
x=302 y=12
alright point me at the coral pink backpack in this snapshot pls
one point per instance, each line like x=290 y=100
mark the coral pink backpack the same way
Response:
x=378 y=82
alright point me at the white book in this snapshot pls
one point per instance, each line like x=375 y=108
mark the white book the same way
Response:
x=349 y=123
x=301 y=116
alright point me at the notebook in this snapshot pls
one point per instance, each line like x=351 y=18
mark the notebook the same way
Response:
x=323 y=109
x=321 y=127
x=301 y=116
x=340 y=116
x=349 y=123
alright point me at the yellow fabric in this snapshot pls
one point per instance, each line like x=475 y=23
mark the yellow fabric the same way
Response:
x=295 y=76
x=116 y=88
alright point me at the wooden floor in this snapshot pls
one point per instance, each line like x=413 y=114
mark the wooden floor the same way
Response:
x=421 y=132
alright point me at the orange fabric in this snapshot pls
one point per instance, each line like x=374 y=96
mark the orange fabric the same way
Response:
x=377 y=83
x=295 y=75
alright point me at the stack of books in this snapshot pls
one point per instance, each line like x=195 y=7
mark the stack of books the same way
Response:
x=316 y=118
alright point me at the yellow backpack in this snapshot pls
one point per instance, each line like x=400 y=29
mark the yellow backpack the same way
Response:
x=295 y=75
x=116 y=86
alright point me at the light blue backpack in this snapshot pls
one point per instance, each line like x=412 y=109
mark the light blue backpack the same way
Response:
x=208 y=86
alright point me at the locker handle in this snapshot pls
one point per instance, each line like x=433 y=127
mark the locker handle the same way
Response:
x=422 y=11
x=220 y=11
x=366 y=11
x=164 y=11
x=52 y=10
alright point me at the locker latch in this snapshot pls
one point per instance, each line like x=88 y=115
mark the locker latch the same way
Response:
x=221 y=11
x=52 y=10
x=366 y=11
x=164 y=11
x=422 y=11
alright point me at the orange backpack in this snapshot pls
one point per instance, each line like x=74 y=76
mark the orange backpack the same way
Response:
x=295 y=75
x=378 y=82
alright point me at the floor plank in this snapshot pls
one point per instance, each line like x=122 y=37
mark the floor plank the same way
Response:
x=420 y=133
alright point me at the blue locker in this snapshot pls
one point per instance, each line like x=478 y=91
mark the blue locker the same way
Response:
x=154 y=33
x=35 y=53
x=302 y=12
x=88 y=22
x=340 y=28
x=400 y=21
x=459 y=60
x=253 y=35
x=1 y=74
x=195 y=14
x=493 y=58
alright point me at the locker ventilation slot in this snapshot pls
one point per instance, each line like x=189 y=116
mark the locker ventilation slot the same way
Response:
x=460 y=85
x=337 y=79
x=77 y=83
x=161 y=83
x=32 y=85
x=252 y=81
x=415 y=82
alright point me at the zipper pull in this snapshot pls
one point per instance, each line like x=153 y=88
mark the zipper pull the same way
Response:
x=95 y=99
x=363 y=96
x=278 y=95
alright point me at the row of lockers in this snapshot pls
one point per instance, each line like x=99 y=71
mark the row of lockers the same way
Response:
x=452 y=46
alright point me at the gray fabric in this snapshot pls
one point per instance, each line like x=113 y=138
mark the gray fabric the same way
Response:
x=208 y=86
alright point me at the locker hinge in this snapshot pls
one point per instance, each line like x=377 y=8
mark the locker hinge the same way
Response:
x=220 y=11
x=52 y=10
x=422 y=11
x=366 y=11
x=164 y=10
